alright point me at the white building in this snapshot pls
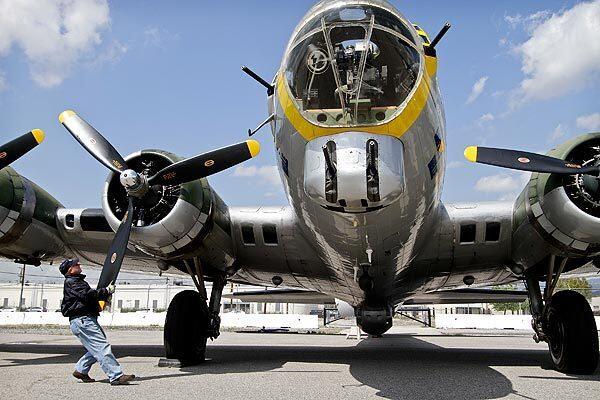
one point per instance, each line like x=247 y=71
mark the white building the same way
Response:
x=154 y=297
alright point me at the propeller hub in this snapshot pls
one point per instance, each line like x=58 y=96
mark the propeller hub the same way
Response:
x=135 y=184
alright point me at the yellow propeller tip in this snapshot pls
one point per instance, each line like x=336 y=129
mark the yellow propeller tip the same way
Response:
x=64 y=115
x=39 y=135
x=254 y=147
x=471 y=153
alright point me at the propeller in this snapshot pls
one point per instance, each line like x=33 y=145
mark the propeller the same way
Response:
x=137 y=185
x=524 y=161
x=18 y=147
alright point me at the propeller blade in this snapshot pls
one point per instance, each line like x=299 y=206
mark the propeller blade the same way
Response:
x=206 y=164
x=117 y=249
x=93 y=141
x=18 y=147
x=524 y=161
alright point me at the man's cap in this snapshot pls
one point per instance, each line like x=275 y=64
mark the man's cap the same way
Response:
x=65 y=265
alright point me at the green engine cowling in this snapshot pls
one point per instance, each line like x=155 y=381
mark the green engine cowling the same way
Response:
x=28 y=230
x=561 y=210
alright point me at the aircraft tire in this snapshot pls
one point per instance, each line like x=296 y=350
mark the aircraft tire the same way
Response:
x=185 y=328
x=573 y=336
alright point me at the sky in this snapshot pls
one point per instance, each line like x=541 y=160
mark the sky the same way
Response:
x=156 y=74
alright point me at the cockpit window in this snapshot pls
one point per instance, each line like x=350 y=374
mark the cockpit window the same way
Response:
x=355 y=68
x=382 y=17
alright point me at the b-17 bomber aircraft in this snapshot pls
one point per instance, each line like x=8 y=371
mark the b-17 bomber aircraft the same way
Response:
x=359 y=129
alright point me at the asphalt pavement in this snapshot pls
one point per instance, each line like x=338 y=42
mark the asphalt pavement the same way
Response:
x=408 y=363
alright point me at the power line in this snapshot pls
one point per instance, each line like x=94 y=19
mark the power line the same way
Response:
x=60 y=277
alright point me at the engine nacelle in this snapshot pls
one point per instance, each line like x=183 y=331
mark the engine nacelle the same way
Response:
x=345 y=310
x=28 y=230
x=169 y=221
x=563 y=210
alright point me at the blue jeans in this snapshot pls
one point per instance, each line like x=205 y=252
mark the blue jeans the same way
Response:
x=93 y=338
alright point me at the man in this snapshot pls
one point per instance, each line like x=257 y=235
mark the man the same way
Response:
x=80 y=304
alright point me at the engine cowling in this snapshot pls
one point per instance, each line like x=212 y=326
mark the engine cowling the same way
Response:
x=169 y=221
x=28 y=229
x=564 y=210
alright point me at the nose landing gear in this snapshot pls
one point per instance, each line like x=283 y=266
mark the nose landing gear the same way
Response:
x=566 y=322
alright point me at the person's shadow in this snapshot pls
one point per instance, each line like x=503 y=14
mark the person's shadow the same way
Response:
x=397 y=366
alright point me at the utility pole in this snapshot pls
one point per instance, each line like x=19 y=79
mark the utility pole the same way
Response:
x=148 y=298
x=21 y=300
x=167 y=294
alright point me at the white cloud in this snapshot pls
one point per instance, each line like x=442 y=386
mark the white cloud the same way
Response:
x=485 y=120
x=3 y=84
x=497 y=183
x=152 y=36
x=557 y=133
x=158 y=37
x=506 y=185
x=53 y=34
x=529 y=22
x=562 y=54
x=589 y=122
x=455 y=164
x=111 y=54
x=477 y=89
x=487 y=117
x=267 y=174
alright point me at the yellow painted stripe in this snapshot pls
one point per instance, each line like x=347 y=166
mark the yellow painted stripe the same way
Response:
x=39 y=135
x=396 y=127
x=471 y=153
x=431 y=65
x=253 y=147
x=64 y=115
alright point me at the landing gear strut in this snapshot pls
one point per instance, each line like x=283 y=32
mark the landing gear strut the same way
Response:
x=565 y=321
x=190 y=321
x=214 y=320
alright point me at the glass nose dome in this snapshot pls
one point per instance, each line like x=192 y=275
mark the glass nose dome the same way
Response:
x=352 y=65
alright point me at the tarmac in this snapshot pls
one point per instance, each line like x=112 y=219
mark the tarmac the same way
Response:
x=407 y=363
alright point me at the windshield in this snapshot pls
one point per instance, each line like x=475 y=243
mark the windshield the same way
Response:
x=351 y=70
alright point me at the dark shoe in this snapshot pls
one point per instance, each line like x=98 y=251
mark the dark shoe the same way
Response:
x=123 y=380
x=85 y=378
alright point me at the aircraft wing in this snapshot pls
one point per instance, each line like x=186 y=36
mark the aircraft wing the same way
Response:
x=467 y=296
x=250 y=245
x=459 y=296
x=292 y=296
x=481 y=244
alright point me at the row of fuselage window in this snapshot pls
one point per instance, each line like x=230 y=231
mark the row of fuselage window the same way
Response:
x=468 y=232
x=269 y=235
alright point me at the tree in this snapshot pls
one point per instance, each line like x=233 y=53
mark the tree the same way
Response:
x=512 y=306
x=580 y=285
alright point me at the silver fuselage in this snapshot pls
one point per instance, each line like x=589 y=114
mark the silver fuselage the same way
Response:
x=396 y=227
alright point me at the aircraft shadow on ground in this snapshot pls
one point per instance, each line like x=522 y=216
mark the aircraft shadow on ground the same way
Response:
x=397 y=366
